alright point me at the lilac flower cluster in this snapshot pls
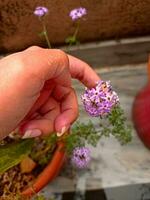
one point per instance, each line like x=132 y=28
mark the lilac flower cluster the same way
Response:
x=40 y=11
x=81 y=157
x=100 y=100
x=77 y=13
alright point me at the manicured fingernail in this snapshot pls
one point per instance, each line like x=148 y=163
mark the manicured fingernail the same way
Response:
x=63 y=130
x=32 y=133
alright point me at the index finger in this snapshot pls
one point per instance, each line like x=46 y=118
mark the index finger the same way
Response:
x=47 y=64
x=82 y=71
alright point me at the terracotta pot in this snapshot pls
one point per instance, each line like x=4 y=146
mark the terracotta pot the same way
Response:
x=141 y=112
x=49 y=173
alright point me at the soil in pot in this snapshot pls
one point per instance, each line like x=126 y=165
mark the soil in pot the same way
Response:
x=21 y=176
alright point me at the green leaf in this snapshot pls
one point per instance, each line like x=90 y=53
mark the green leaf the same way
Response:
x=80 y=135
x=40 y=197
x=120 y=130
x=41 y=34
x=13 y=154
x=51 y=139
x=71 y=40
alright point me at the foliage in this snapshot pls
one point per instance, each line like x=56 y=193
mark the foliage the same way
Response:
x=80 y=135
x=42 y=197
x=14 y=153
x=46 y=148
x=115 y=124
x=71 y=40
x=119 y=128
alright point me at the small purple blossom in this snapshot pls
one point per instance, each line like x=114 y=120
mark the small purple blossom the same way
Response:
x=40 y=11
x=77 y=13
x=81 y=157
x=100 y=100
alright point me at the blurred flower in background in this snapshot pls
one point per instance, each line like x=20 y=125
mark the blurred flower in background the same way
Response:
x=40 y=11
x=77 y=13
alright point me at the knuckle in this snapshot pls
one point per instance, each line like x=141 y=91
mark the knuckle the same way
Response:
x=59 y=59
x=62 y=56
x=33 y=48
x=18 y=65
x=59 y=52
x=22 y=70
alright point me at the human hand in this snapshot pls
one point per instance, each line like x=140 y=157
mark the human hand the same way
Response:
x=36 y=91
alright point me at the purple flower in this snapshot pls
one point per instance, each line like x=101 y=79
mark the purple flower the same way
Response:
x=40 y=11
x=81 y=157
x=100 y=100
x=77 y=13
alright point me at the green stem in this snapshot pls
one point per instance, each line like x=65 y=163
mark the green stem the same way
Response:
x=75 y=34
x=77 y=29
x=45 y=34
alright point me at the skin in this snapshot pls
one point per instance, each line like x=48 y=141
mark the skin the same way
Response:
x=36 y=91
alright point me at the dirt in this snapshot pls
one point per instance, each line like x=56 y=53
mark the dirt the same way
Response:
x=13 y=182
x=17 y=178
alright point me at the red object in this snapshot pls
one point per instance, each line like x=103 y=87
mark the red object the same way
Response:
x=141 y=112
x=48 y=174
x=141 y=115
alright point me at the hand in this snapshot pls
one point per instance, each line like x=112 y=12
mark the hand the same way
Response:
x=36 y=93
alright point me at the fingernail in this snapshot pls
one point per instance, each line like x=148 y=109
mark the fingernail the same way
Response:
x=32 y=133
x=63 y=130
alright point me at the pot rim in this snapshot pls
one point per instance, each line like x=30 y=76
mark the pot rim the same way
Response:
x=49 y=173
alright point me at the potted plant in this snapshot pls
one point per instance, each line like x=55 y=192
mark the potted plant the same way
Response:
x=26 y=166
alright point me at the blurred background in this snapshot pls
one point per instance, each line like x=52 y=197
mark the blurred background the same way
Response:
x=105 y=20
